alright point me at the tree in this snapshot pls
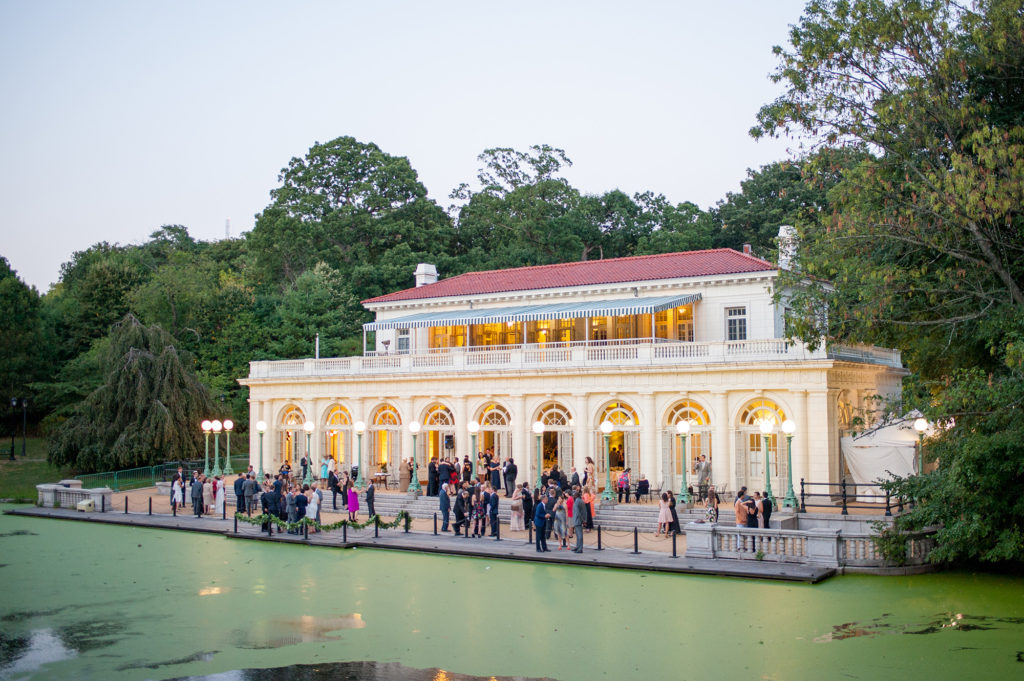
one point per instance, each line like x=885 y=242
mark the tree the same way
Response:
x=23 y=352
x=924 y=240
x=146 y=410
x=318 y=303
x=683 y=227
x=344 y=203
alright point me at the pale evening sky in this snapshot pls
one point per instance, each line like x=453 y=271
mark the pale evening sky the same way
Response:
x=120 y=117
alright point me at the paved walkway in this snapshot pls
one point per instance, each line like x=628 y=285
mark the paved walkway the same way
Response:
x=617 y=550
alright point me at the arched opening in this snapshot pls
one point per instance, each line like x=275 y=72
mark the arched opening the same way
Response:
x=751 y=417
x=337 y=437
x=698 y=441
x=495 y=431
x=556 y=443
x=292 y=445
x=624 y=441
x=438 y=439
x=385 y=430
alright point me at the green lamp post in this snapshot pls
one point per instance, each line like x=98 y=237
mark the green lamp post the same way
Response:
x=359 y=427
x=217 y=428
x=473 y=427
x=207 y=426
x=683 y=429
x=308 y=427
x=788 y=427
x=767 y=426
x=261 y=427
x=607 y=495
x=228 y=427
x=920 y=425
x=414 y=486
x=538 y=430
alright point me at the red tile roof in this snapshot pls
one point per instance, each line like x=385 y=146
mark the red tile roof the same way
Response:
x=586 y=273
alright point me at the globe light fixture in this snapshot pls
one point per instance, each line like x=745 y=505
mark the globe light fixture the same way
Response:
x=229 y=425
x=261 y=427
x=920 y=425
x=207 y=426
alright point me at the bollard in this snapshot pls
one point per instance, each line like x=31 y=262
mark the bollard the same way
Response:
x=344 y=533
x=408 y=522
x=126 y=505
x=529 y=532
x=803 y=506
x=151 y=505
x=103 y=504
x=270 y=528
x=236 y=524
x=636 y=541
x=888 y=509
x=497 y=531
x=376 y=527
x=305 y=531
x=435 y=524
x=599 y=538
x=174 y=509
x=843 y=487
x=674 y=535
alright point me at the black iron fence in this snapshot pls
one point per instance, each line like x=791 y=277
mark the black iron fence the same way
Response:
x=847 y=496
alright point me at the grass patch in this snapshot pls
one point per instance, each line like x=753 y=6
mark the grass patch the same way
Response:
x=18 y=479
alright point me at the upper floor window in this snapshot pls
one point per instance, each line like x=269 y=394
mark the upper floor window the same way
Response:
x=736 y=323
x=403 y=341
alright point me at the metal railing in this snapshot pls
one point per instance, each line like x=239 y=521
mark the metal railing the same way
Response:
x=846 y=496
x=147 y=476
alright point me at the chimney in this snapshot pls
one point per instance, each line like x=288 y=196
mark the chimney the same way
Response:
x=747 y=250
x=425 y=274
x=787 y=247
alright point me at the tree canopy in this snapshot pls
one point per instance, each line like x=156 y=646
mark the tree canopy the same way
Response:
x=924 y=236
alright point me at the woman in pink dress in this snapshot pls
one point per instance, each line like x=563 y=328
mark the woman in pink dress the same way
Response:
x=664 y=515
x=353 y=502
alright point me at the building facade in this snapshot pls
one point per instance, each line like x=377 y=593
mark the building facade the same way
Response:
x=642 y=342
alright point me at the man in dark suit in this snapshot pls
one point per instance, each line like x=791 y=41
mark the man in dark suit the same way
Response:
x=461 y=503
x=445 y=506
x=269 y=502
x=432 y=477
x=510 y=476
x=369 y=499
x=305 y=465
x=240 y=493
x=527 y=503
x=197 y=496
x=540 y=518
x=574 y=481
x=444 y=474
x=492 y=511
x=578 y=514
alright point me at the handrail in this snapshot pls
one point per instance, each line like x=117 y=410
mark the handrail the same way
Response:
x=844 y=497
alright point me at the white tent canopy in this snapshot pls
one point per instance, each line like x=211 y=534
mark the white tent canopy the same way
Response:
x=881 y=453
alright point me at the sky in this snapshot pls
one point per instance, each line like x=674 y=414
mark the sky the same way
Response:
x=121 y=117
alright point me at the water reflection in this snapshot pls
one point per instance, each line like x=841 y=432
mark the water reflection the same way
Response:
x=350 y=671
x=288 y=631
x=22 y=656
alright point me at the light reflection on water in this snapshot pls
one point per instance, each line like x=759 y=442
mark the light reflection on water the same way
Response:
x=40 y=647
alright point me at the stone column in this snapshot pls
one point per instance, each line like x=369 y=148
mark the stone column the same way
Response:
x=648 y=438
x=522 y=438
x=582 y=443
x=721 y=443
x=801 y=445
x=462 y=443
x=817 y=435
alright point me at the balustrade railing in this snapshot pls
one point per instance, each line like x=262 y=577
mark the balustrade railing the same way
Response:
x=621 y=351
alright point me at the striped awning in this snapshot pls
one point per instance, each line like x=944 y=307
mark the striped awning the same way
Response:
x=529 y=313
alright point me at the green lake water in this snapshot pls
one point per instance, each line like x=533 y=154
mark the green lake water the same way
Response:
x=85 y=601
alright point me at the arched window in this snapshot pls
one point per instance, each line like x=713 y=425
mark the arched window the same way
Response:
x=624 y=442
x=698 y=441
x=439 y=416
x=751 y=417
x=557 y=441
x=495 y=430
x=337 y=436
x=292 y=419
x=439 y=433
x=385 y=425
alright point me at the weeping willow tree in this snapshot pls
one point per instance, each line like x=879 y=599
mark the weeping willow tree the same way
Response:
x=145 y=411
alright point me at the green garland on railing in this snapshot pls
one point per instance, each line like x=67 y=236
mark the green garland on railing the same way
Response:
x=282 y=524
